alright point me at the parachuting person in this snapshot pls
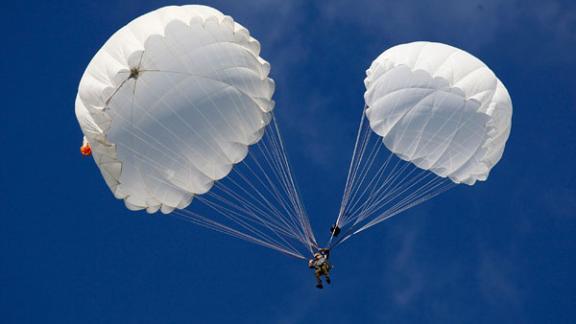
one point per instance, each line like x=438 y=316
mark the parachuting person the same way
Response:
x=321 y=266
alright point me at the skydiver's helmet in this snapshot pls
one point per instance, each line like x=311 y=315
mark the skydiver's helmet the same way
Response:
x=317 y=255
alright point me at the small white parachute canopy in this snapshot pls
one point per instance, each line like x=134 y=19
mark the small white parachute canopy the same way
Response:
x=439 y=108
x=171 y=102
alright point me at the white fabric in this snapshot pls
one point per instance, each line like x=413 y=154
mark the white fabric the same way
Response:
x=440 y=108
x=201 y=97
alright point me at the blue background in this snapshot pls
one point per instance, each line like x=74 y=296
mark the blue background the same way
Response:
x=501 y=251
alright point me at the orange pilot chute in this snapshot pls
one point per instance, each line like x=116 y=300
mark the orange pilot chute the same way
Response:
x=85 y=149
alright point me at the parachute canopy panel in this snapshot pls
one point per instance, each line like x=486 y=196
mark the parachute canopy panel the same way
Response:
x=171 y=102
x=439 y=108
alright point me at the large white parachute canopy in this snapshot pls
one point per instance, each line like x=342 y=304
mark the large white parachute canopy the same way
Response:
x=444 y=116
x=440 y=108
x=170 y=104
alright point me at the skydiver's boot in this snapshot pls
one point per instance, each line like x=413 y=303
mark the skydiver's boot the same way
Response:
x=327 y=279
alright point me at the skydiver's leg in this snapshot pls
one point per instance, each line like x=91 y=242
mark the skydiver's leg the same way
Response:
x=326 y=272
x=317 y=274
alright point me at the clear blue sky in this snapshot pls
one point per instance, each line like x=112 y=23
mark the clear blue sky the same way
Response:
x=498 y=252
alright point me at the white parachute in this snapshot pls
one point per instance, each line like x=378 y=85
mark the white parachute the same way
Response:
x=444 y=117
x=177 y=110
x=171 y=104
